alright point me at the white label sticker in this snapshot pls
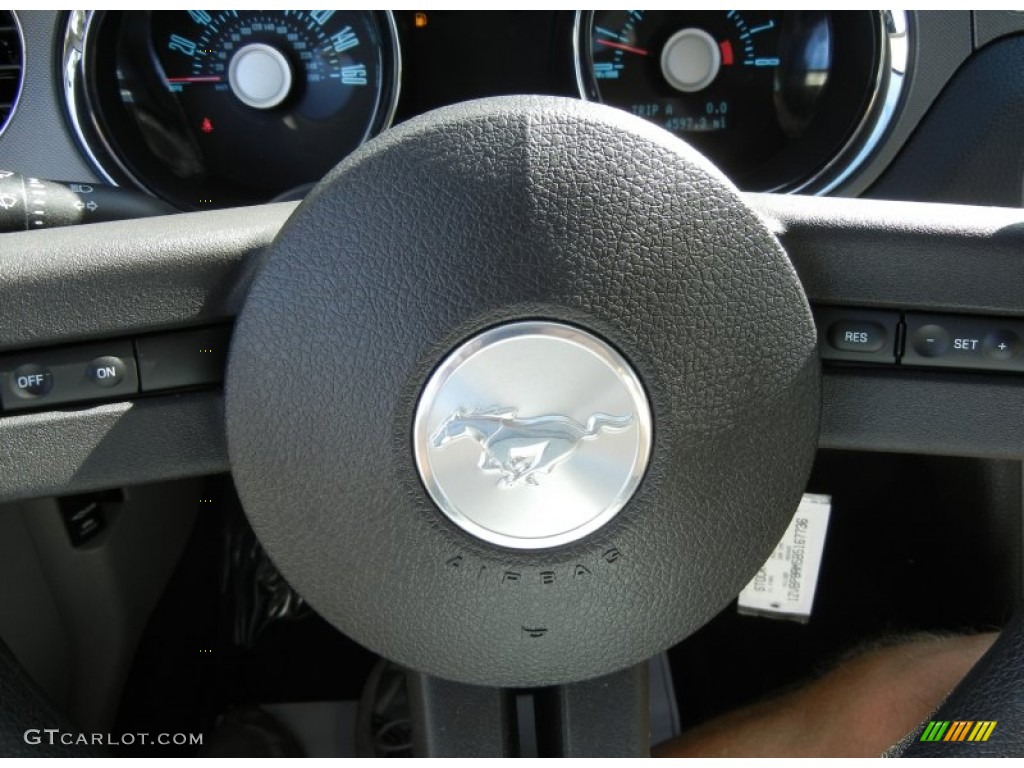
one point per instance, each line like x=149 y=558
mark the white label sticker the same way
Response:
x=784 y=586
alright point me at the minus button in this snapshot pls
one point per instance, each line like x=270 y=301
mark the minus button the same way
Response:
x=931 y=341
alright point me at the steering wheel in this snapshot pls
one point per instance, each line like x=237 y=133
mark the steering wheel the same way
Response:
x=522 y=394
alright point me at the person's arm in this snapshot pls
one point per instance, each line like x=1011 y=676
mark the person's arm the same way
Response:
x=859 y=709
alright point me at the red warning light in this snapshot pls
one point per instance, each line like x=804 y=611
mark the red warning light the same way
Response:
x=726 y=47
x=206 y=126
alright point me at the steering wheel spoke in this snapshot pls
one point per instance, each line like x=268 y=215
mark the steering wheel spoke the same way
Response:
x=452 y=719
x=608 y=716
x=118 y=280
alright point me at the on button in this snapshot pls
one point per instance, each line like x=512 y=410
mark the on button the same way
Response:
x=106 y=371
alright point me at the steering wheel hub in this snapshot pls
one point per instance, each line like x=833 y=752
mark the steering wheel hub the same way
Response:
x=547 y=242
x=532 y=435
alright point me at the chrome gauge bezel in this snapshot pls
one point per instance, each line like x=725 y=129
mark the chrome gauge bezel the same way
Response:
x=100 y=149
x=890 y=80
x=21 y=80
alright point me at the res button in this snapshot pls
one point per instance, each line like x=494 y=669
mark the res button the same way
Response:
x=857 y=336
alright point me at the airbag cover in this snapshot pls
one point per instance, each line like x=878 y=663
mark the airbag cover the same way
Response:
x=489 y=212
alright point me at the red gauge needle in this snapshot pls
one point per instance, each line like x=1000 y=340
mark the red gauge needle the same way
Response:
x=627 y=48
x=205 y=79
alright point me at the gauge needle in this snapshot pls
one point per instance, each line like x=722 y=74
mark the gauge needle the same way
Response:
x=204 y=79
x=627 y=48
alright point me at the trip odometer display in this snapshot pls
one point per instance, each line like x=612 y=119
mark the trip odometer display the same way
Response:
x=689 y=71
x=772 y=97
x=209 y=109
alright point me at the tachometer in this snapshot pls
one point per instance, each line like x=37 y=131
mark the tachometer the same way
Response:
x=220 y=108
x=773 y=97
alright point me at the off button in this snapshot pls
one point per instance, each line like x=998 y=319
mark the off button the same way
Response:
x=31 y=381
x=108 y=371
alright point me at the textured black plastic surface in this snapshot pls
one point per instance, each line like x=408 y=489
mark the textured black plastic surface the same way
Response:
x=499 y=210
x=940 y=413
x=38 y=139
x=991 y=25
x=128 y=277
x=69 y=451
x=939 y=43
x=895 y=255
x=967 y=149
x=24 y=707
x=457 y=720
x=605 y=717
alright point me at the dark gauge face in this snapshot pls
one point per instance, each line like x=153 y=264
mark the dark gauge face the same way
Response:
x=744 y=87
x=217 y=108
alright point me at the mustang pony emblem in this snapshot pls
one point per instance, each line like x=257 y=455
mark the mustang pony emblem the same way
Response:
x=521 y=450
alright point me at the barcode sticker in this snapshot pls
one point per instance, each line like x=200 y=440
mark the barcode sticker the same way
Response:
x=784 y=586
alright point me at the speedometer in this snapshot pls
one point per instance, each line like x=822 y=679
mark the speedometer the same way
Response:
x=780 y=100
x=210 y=109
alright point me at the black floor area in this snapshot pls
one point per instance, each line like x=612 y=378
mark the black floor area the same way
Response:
x=914 y=544
x=188 y=669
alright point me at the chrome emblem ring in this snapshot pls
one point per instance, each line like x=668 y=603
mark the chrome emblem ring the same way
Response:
x=532 y=434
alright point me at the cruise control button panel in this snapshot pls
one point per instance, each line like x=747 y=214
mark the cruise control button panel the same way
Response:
x=952 y=341
x=857 y=335
x=182 y=359
x=40 y=379
x=117 y=369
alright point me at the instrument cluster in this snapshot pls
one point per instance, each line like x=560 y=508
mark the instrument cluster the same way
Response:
x=211 y=109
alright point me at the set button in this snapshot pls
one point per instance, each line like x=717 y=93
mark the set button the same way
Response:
x=969 y=343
